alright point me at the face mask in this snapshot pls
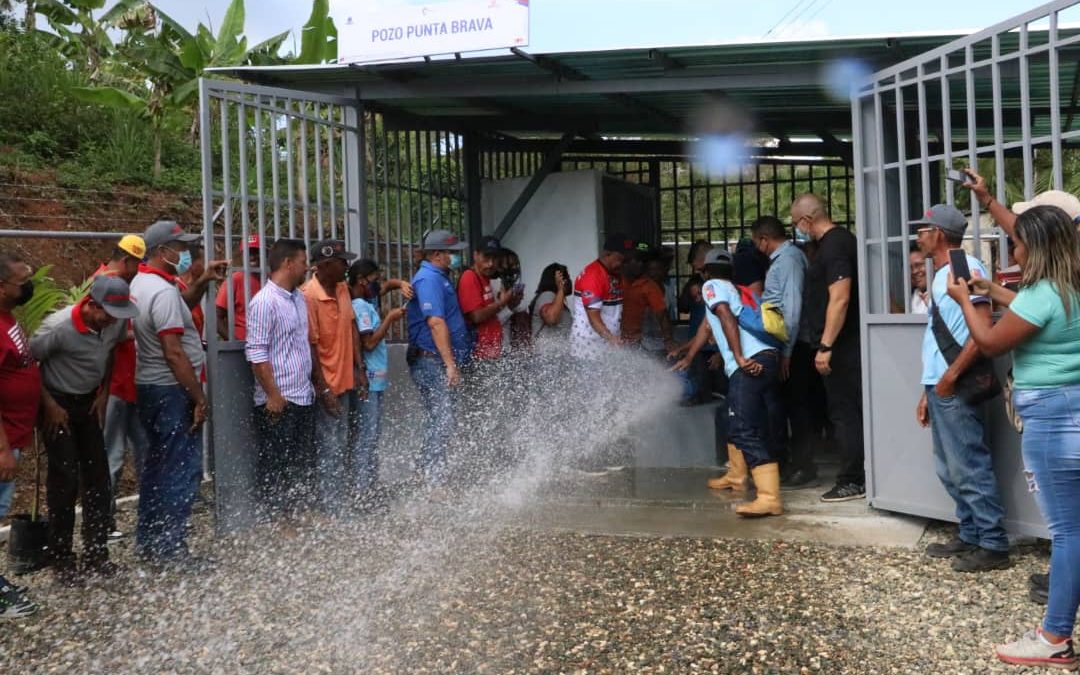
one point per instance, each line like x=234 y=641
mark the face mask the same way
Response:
x=455 y=261
x=373 y=290
x=184 y=263
x=801 y=237
x=26 y=291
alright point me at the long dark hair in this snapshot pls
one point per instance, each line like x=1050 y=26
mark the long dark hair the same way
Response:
x=1053 y=251
x=547 y=282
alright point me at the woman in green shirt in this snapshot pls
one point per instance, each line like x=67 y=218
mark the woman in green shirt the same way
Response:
x=1042 y=329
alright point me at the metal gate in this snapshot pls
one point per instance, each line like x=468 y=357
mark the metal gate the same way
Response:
x=275 y=163
x=1002 y=100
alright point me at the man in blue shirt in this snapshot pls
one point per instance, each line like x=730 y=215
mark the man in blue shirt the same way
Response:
x=783 y=289
x=963 y=460
x=439 y=344
x=752 y=368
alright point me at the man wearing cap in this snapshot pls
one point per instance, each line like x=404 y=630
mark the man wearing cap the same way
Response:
x=122 y=426
x=642 y=295
x=338 y=368
x=964 y=464
x=598 y=294
x=239 y=298
x=74 y=346
x=479 y=304
x=439 y=344
x=171 y=403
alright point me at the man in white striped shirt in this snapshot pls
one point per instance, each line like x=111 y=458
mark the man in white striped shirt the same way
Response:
x=280 y=355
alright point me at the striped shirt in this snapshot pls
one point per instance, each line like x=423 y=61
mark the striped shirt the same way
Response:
x=277 y=331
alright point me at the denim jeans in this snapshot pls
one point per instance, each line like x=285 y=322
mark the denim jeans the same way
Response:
x=750 y=398
x=285 y=466
x=1051 y=449
x=429 y=375
x=123 y=430
x=332 y=455
x=365 y=470
x=7 y=491
x=966 y=470
x=170 y=477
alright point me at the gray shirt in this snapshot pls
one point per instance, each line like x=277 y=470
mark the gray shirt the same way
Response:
x=73 y=357
x=784 y=287
x=162 y=310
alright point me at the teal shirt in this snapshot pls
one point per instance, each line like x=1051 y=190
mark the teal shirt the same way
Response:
x=1052 y=357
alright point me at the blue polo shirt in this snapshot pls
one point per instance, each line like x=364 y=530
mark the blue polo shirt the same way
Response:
x=434 y=296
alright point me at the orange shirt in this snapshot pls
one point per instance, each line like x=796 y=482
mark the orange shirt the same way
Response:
x=330 y=326
x=638 y=295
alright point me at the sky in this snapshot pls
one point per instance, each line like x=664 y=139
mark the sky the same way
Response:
x=571 y=25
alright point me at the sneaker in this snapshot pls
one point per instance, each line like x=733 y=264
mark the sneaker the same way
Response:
x=116 y=535
x=13 y=602
x=982 y=560
x=1039 y=581
x=951 y=549
x=1034 y=650
x=845 y=493
x=1040 y=596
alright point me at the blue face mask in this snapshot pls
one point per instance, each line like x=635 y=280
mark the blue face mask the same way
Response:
x=183 y=262
x=801 y=237
x=455 y=261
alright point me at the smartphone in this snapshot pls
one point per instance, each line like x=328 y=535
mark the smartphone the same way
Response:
x=957 y=176
x=519 y=287
x=958 y=262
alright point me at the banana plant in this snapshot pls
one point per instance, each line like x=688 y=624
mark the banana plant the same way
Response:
x=48 y=296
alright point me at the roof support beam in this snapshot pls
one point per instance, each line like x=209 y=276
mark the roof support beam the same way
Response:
x=551 y=161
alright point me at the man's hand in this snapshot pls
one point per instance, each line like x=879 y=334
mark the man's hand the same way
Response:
x=946 y=386
x=453 y=376
x=100 y=406
x=677 y=351
x=199 y=413
x=215 y=271
x=681 y=365
x=56 y=420
x=406 y=290
x=823 y=363
x=275 y=404
x=7 y=462
x=785 y=368
x=716 y=361
x=750 y=366
x=361 y=383
x=977 y=185
x=980 y=286
x=922 y=412
x=330 y=403
x=394 y=315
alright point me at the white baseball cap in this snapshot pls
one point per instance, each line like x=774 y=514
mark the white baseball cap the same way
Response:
x=1063 y=200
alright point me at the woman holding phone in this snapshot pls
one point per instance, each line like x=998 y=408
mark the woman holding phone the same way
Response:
x=1042 y=328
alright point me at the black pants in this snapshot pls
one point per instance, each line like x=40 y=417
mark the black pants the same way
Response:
x=799 y=400
x=285 y=469
x=78 y=464
x=843 y=389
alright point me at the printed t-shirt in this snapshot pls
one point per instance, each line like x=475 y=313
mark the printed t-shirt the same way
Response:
x=720 y=291
x=378 y=359
x=474 y=292
x=20 y=383
x=595 y=288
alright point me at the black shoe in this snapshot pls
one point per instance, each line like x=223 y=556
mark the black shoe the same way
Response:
x=799 y=478
x=13 y=602
x=1040 y=596
x=1039 y=582
x=67 y=575
x=982 y=560
x=951 y=549
x=845 y=492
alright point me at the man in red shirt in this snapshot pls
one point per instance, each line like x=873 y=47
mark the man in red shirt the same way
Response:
x=20 y=385
x=239 y=300
x=478 y=303
x=598 y=299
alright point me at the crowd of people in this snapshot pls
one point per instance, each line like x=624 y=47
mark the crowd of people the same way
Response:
x=774 y=345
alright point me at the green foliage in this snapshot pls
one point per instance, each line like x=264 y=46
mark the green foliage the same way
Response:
x=318 y=38
x=47 y=297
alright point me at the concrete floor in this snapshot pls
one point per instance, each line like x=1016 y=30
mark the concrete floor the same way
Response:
x=677 y=503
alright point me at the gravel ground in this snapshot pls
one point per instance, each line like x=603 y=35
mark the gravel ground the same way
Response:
x=437 y=589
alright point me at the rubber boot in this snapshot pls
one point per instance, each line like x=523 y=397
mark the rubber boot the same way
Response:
x=735 y=478
x=767 y=480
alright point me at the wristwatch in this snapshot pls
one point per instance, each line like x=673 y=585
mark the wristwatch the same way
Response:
x=824 y=348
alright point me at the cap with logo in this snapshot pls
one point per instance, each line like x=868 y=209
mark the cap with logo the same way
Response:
x=944 y=217
x=164 y=232
x=114 y=296
x=619 y=243
x=253 y=241
x=328 y=249
x=718 y=256
x=1063 y=200
x=490 y=245
x=442 y=240
x=133 y=245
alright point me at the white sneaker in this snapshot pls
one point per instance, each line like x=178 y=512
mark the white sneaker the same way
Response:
x=1034 y=650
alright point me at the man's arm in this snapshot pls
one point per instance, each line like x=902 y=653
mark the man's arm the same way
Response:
x=693 y=347
x=482 y=314
x=193 y=294
x=440 y=334
x=730 y=325
x=836 y=312
x=184 y=373
x=597 y=322
x=1001 y=214
x=7 y=458
x=358 y=357
x=947 y=385
x=264 y=375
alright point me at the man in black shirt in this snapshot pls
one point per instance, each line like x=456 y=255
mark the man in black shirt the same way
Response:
x=831 y=318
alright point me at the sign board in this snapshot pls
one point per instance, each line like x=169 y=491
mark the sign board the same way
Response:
x=378 y=31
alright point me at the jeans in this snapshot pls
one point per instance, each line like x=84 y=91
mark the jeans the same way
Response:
x=966 y=470
x=1051 y=448
x=123 y=430
x=332 y=455
x=365 y=469
x=170 y=477
x=285 y=465
x=78 y=465
x=7 y=491
x=843 y=389
x=429 y=375
x=749 y=400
